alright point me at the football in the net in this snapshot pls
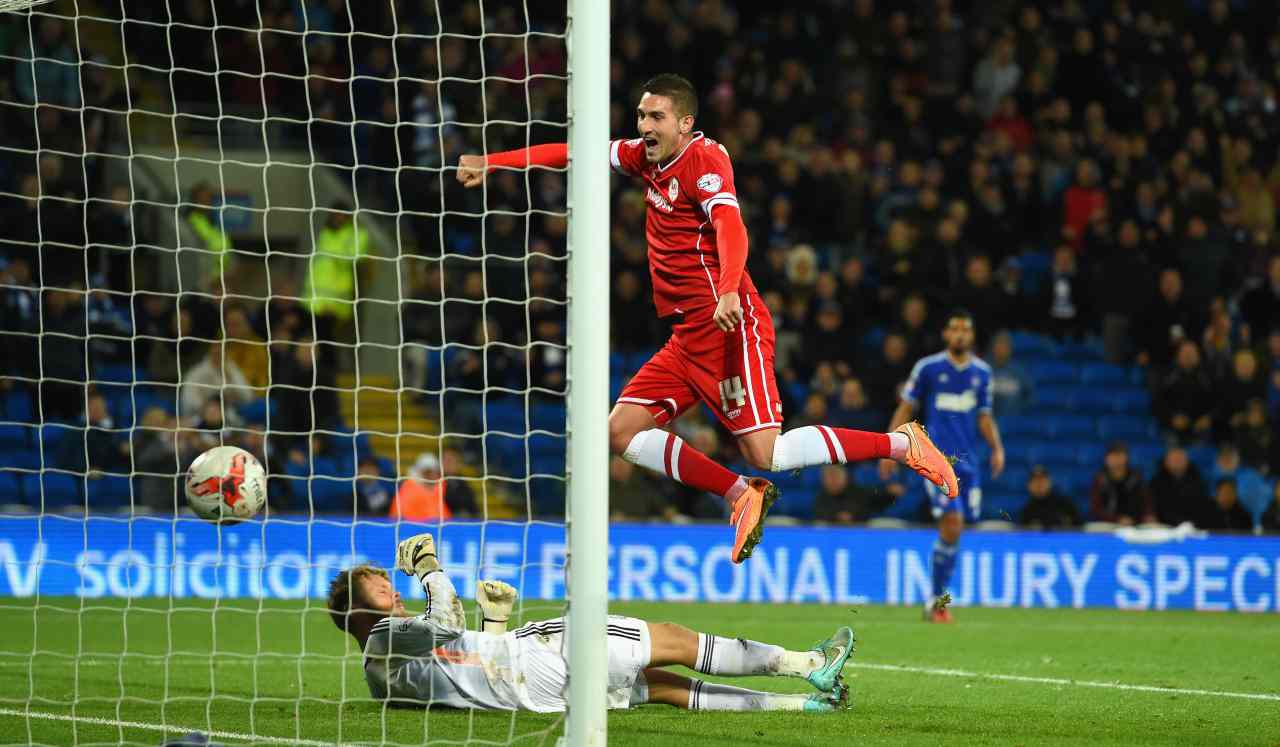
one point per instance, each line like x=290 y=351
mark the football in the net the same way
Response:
x=226 y=484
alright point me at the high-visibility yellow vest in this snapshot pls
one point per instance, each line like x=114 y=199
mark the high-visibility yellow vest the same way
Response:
x=331 y=280
x=215 y=239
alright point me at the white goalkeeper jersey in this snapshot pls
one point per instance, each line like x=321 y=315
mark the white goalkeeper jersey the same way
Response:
x=433 y=659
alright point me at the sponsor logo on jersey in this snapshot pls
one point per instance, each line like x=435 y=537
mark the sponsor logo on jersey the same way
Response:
x=673 y=189
x=656 y=199
x=710 y=183
x=948 y=402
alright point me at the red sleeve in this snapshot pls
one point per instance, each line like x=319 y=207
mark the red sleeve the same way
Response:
x=719 y=200
x=554 y=155
x=627 y=156
x=731 y=246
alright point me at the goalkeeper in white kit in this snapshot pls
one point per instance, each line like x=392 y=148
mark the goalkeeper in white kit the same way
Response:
x=432 y=659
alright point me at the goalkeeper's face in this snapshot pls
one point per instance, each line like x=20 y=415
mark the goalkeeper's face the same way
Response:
x=380 y=596
x=662 y=129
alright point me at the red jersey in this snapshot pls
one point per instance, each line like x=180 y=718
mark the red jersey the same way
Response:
x=683 y=259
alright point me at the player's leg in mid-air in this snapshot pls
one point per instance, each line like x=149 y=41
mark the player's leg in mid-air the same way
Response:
x=658 y=394
x=672 y=644
x=951 y=516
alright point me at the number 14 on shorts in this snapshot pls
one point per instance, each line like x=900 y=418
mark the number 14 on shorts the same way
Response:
x=732 y=395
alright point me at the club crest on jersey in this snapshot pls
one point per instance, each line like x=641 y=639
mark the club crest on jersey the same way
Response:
x=710 y=183
x=673 y=189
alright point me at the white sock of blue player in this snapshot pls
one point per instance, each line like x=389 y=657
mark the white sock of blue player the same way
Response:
x=739 y=656
x=712 y=696
x=944 y=564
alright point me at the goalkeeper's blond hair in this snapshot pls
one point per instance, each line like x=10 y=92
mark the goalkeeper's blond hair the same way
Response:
x=346 y=589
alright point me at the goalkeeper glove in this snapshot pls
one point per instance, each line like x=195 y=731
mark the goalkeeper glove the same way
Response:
x=416 y=556
x=496 y=598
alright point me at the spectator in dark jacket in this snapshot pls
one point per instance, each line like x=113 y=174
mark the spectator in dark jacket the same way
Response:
x=1246 y=382
x=1184 y=402
x=1048 y=508
x=1178 y=489
x=1063 y=310
x=844 y=502
x=1261 y=306
x=1168 y=321
x=1119 y=494
x=1271 y=517
x=1224 y=512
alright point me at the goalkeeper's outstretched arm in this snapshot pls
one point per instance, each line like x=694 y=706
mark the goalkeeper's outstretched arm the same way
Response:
x=416 y=557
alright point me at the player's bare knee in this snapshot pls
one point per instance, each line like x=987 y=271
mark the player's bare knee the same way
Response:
x=951 y=526
x=620 y=434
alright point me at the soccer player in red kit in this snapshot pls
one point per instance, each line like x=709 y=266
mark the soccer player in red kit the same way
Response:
x=722 y=341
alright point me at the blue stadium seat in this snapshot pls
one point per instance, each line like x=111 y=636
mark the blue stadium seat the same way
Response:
x=1031 y=345
x=548 y=464
x=1104 y=374
x=1011 y=480
x=618 y=363
x=1132 y=401
x=18 y=406
x=386 y=467
x=16 y=459
x=52 y=435
x=1057 y=398
x=505 y=415
x=1089 y=453
x=541 y=443
x=59 y=491
x=546 y=494
x=332 y=496
x=1146 y=455
x=1125 y=428
x=14 y=437
x=1070 y=427
x=107 y=493
x=1014 y=427
x=1053 y=372
x=1088 y=350
x=1095 y=401
x=547 y=417
x=1004 y=505
x=911 y=506
x=1203 y=457
x=10 y=488
x=1074 y=481
x=258 y=411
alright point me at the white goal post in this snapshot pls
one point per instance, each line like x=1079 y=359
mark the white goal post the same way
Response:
x=587 y=517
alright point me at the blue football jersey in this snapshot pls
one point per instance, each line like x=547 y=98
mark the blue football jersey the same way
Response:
x=948 y=400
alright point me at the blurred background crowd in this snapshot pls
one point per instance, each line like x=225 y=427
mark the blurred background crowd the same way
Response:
x=1096 y=181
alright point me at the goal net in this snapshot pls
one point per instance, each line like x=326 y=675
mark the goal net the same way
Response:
x=236 y=222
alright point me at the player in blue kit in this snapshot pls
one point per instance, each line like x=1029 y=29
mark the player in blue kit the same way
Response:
x=952 y=392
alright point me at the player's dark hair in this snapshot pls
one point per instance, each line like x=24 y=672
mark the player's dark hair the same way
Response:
x=961 y=314
x=346 y=591
x=684 y=98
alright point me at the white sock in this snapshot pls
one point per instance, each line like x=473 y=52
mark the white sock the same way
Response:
x=739 y=656
x=738 y=489
x=800 y=447
x=898 y=445
x=712 y=696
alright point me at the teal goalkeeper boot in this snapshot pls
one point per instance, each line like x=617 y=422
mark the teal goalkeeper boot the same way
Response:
x=829 y=702
x=835 y=651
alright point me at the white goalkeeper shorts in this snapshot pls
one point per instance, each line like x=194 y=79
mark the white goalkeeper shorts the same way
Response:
x=543 y=653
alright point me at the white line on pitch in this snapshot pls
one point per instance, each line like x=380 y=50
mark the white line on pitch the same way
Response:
x=1058 y=681
x=96 y=721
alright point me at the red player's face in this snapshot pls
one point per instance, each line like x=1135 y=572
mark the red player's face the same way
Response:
x=662 y=130
x=381 y=596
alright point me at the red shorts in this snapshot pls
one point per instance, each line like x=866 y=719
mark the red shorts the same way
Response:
x=732 y=372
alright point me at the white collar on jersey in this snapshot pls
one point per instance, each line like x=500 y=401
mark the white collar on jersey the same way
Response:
x=696 y=137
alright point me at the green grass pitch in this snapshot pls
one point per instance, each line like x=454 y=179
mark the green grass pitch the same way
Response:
x=277 y=670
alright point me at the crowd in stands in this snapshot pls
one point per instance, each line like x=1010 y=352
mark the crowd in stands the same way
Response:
x=1081 y=176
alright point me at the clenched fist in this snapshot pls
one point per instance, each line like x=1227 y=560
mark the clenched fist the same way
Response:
x=416 y=556
x=496 y=598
